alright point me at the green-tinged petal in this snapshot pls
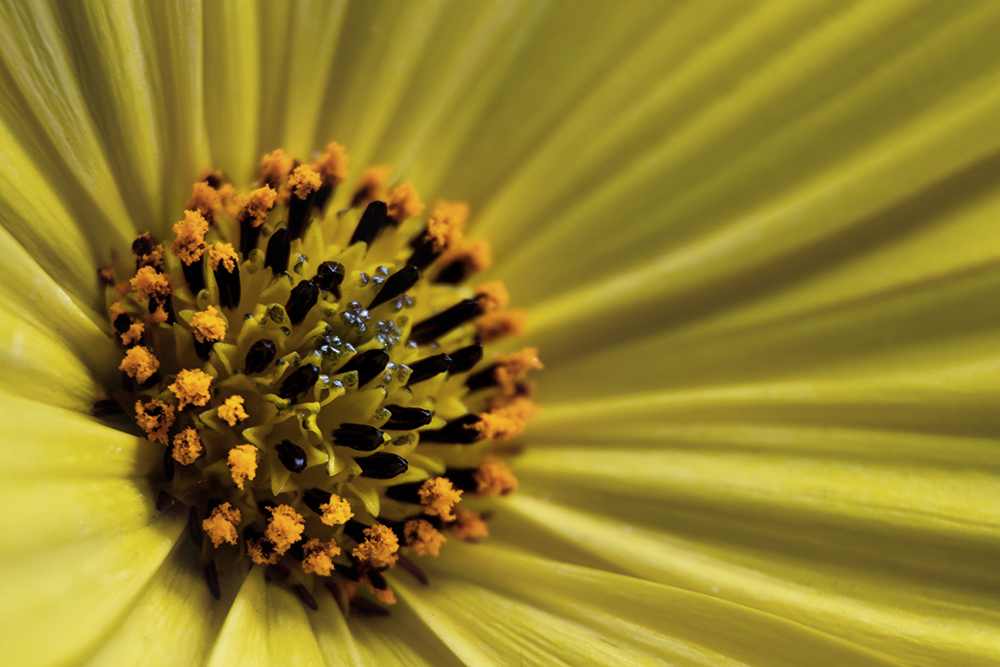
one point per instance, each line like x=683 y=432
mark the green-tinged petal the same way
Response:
x=45 y=111
x=334 y=637
x=400 y=639
x=507 y=607
x=103 y=40
x=59 y=602
x=267 y=625
x=172 y=622
x=232 y=57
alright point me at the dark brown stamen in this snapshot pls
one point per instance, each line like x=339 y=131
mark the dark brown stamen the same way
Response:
x=429 y=367
x=301 y=379
x=303 y=297
x=359 y=436
x=291 y=456
x=369 y=365
x=230 y=290
x=397 y=284
x=434 y=327
x=249 y=235
x=278 y=247
x=382 y=465
x=482 y=379
x=329 y=276
x=371 y=223
x=406 y=419
x=459 y=431
x=194 y=274
x=259 y=356
x=465 y=359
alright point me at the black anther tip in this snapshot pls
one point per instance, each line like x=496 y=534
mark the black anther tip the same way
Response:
x=368 y=364
x=291 y=456
x=300 y=380
x=278 y=247
x=405 y=419
x=259 y=356
x=382 y=465
x=397 y=284
x=371 y=223
x=303 y=297
x=358 y=436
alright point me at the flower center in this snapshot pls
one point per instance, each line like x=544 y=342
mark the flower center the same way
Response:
x=321 y=381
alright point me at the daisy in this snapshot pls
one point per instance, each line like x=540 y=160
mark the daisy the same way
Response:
x=757 y=248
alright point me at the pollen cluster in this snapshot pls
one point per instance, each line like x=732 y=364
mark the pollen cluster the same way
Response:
x=317 y=367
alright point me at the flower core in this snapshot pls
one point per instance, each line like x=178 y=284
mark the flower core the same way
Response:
x=320 y=381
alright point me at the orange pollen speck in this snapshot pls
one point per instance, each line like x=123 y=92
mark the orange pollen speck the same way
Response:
x=134 y=333
x=231 y=411
x=492 y=296
x=404 y=202
x=190 y=244
x=285 y=528
x=494 y=477
x=274 y=168
x=191 y=387
x=304 y=181
x=336 y=512
x=221 y=524
x=477 y=255
x=207 y=200
x=371 y=185
x=423 y=538
x=208 y=326
x=139 y=364
x=378 y=551
x=494 y=326
x=148 y=284
x=438 y=497
x=509 y=421
x=512 y=368
x=385 y=596
x=242 y=462
x=158 y=316
x=187 y=447
x=319 y=557
x=225 y=254
x=257 y=555
x=257 y=204
x=332 y=164
x=468 y=526
x=447 y=223
x=155 y=418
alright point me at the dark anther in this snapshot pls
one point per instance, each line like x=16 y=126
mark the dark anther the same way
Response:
x=368 y=364
x=412 y=568
x=454 y=273
x=298 y=214
x=424 y=251
x=213 y=181
x=440 y=324
x=358 y=436
x=396 y=285
x=382 y=465
x=194 y=274
x=366 y=607
x=265 y=505
x=259 y=356
x=463 y=479
x=482 y=379
x=194 y=526
x=378 y=580
x=249 y=235
x=106 y=407
x=167 y=305
x=355 y=530
x=405 y=419
x=168 y=463
x=429 y=367
x=303 y=297
x=291 y=456
x=349 y=571
x=306 y=597
x=163 y=500
x=329 y=276
x=229 y=286
x=459 y=431
x=122 y=323
x=372 y=221
x=323 y=196
x=143 y=245
x=408 y=492
x=299 y=381
x=465 y=359
x=203 y=349
x=278 y=572
x=212 y=579
x=278 y=247
x=315 y=499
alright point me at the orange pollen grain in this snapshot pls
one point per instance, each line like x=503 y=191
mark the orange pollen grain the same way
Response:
x=438 y=497
x=319 y=557
x=378 y=551
x=468 y=526
x=208 y=325
x=221 y=524
x=423 y=538
x=149 y=284
x=285 y=528
x=257 y=555
x=134 y=333
x=190 y=244
x=447 y=223
x=231 y=411
x=207 y=200
x=191 y=387
x=225 y=254
x=257 y=204
x=336 y=512
x=492 y=296
x=139 y=364
x=274 y=168
x=508 y=421
x=404 y=202
x=494 y=477
x=242 y=462
x=187 y=447
x=155 y=418
x=494 y=326
x=477 y=255
x=371 y=185
x=512 y=368
x=304 y=181
x=332 y=164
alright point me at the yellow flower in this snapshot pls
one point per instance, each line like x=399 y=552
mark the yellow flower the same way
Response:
x=758 y=247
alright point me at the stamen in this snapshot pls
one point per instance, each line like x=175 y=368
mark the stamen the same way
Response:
x=304 y=296
x=396 y=284
x=254 y=209
x=369 y=365
x=221 y=525
x=302 y=379
x=187 y=447
x=438 y=497
x=371 y=185
x=303 y=183
x=336 y=511
x=434 y=327
x=461 y=431
x=276 y=257
x=494 y=477
x=319 y=557
x=291 y=456
x=191 y=387
x=225 y=263
x=378 y=551
x=232 y=411
x=242 y=462
x=329 y=276
x=372 y=221
x=406 y=419
x=427 y=368
x=155 y=418
x=403 y=202
x=360 y=437
x=465 y=359
x=332 y=168
x=382 y=465
x=259 y=356
x=423 y=538
x=468 y=526
x=284 y=529
x=139 y=364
